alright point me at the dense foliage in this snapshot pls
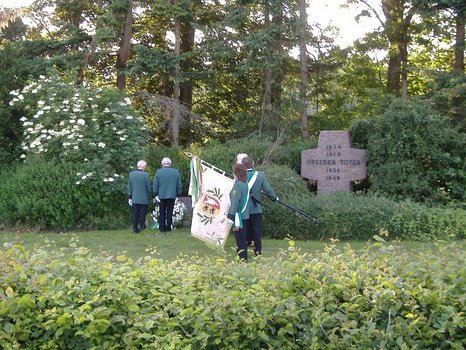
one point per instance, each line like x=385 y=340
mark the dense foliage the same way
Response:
x=42 y=195
x=413 y=152
x=78 y=146
x=382 y=297
x=353 y=216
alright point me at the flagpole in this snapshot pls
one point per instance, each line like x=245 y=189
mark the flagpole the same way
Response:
x=213 y=167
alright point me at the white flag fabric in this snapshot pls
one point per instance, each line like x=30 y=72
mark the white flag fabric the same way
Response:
x=211 y=201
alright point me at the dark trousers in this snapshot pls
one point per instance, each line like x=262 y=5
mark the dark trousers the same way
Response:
x=138 y=216
x=241 y=243
x=166 y=214
x=254 y=232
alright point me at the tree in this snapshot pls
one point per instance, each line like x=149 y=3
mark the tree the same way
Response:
x=458 y=10
x=124 y=50
x=304 y=70
x=398 y=16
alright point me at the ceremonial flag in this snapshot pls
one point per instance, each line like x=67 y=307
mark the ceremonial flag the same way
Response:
x=209 y=190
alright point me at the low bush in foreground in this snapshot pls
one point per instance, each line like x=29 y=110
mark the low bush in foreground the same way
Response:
x=382 y=297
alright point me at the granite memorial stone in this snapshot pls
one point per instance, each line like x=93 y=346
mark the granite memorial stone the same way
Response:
x=334 y=163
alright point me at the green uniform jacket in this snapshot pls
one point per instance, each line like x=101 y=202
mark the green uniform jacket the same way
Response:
x=139 y=187
x=261 y=184
x=238 y=195
x=167 y=183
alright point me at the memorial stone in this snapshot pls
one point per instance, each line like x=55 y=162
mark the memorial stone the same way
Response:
x=334 y=164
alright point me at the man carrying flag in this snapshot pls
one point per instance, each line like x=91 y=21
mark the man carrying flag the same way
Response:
x=257 y=183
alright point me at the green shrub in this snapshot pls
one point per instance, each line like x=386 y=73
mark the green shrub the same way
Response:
x=413 y=153
x=42 y=194
x=93 y=127
x=293 y=151
x=421 y=223
x=342 y=215
x=349 y=216
x=382 y=297
x=280 y=221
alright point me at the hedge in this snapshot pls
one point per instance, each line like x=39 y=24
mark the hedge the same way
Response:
x=382 y=297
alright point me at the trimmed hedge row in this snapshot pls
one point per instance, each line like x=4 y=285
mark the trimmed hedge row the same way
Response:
x=349 y=216
x=383 y=297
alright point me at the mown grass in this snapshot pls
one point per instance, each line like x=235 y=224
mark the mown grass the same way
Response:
x=178 y=244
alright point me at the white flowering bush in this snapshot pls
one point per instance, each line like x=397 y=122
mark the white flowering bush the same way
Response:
x=93 y=128
x=178 y=214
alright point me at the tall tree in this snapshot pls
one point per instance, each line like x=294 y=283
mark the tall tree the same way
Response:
x=398 y=16
x=458 y=10
x=175 y=123
x=303 y=59
x=125 y=42
x=277 y=29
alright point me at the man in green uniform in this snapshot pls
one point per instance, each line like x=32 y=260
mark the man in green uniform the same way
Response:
x=257 y=183
x=138 y=195
x=167 y=187
x=237 y=213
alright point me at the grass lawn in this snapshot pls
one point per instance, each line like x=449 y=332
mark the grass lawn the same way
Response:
x=166 y=246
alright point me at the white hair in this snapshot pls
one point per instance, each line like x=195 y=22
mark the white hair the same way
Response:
x=240 y=157
x=166 y=161
x=142 y=164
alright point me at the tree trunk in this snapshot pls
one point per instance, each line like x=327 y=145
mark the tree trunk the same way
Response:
x=175 y=124
x=459 y=44
x=277 y=73
x=123 y=52
x=394 y=30
x=267 y=98
x=303 y=86
x=187 y=44
x=404 y=54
